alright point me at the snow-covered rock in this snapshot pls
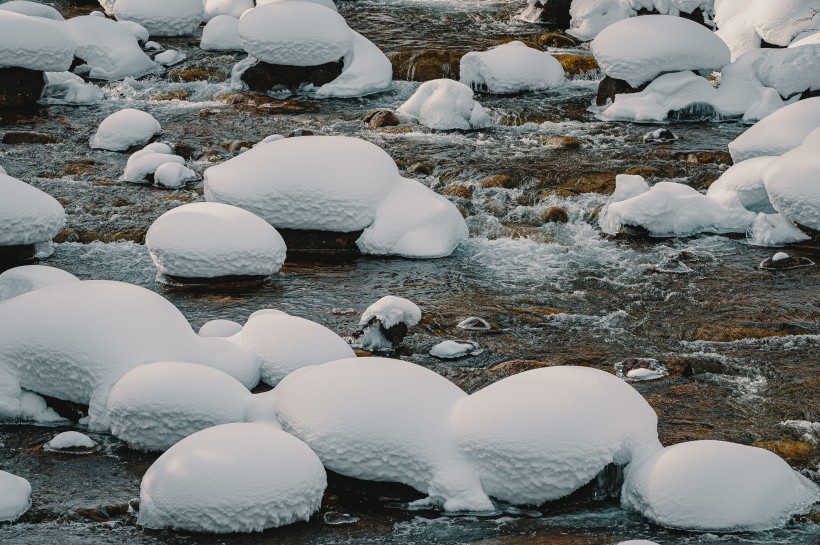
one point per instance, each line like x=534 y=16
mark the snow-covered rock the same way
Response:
x=366 y=70
x=542 y=434
x=147 y=161
x=717 y=486
x=671 y=209
x=628 y=186
x=20 y=280
x=384 y=324
x=69 y=88
x=34 y=9
x=232 y=478
x=295 y=33
x=285 y=183
x=445 y=104
x=173 y=175
x=232 y=8
x=511 y=68
x=221 y=34
x=28 y=215
x=69 y=440
x=792 y=182
x=33 y=43
x=170 y=57
x=284 y=343
x=639 y=49
x=744 y=181
x=773 y=230
x=779 y=132
x=450 y=350
x=109 y=53
x=162 y=17
x=414 y=221
x=383 y=420
x=124 y=129
x=209 y=240
x=16 y=497
x=74 y=340
x=219 y=328
x=789 y=71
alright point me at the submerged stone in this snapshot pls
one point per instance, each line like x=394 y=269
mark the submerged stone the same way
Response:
x=263 y=77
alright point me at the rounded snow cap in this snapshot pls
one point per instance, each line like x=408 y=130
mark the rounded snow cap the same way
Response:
x=28 y=215
x=30 y=42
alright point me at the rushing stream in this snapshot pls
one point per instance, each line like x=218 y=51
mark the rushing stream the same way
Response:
x=741 y=345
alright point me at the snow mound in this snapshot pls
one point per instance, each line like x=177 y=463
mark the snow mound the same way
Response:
x=124 y=129
x=808 y=38
x=221 y=34
x=208 y=240
x=232 y=478
x=366 y=70
x=639 y=49
x=590 y=17
x=74 y=340
x=284 y=183
x=154 y=406
x=773 y=230
x=793 y=186
x=15 y=499
x=70 y=439
x=414 y=221
x=295 y=34
x=391 y=310
x=628 y=186
x=717 y=486
x=381 y=419
x=219 y=328
x=672 y=209
x=285 y=343
x=511 y=68
x=232 y=8
x=173 y=175
x=69 y=88
x=147 y=161
x=20 y=280
x=140 y=32
x=33 y=9
x=33 y=43
x=170 y=57
x=109 y=53
x=779 y=132
x=445 y=104
x=27 y=214
x=744 y=181
x=161 y=17
x=542 y=434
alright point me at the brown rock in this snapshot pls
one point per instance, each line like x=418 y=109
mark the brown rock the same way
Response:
x=459 y=191
x=550 y=12
x=794 y=452
x=498 y=180
x=29 y=137
x=264 y=77
x=381 y=118
x=555 y=214
x=646 y=172
x=590 y=182
x=556 y=40
x=173 y=94
x=186 y=75
x=562 y=142
x=609 y=87
x=20 y=87
x=425 y=169
x=267 y=105
x=425 y=65
x=80 y=168
x=728 y=333
x=704 y=157
x=578 y=66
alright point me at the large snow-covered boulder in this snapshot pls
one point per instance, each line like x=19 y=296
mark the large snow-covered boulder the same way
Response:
x=20 y=280
x=511 y=68
x=221 y=34
x=639 y=49
x=232 y=478
x=445 y=104
x=383 y=420
x=233 y=8
x=779 y=132
x=15 y=498
x=542 y=434
x=74 y=340
x=33 y=43
x=717 y=486
x=162 y=17
x=209 y=240
x=329 y=183
x=27 y=215
x=33 y=9
x=792 y=182
x=124 y=129
x=744 y=181
x=285 y=343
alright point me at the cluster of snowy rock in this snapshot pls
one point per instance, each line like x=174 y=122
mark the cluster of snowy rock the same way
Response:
x=771 y=192
x=241 y=462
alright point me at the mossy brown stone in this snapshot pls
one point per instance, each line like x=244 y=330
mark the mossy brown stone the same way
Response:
x=262 y=104
x=798 y=453
x=555 y=214
x=187 y=75
x=426 y=64
x=701 y=157
x=577 y=65
x=425 y=169
x=80 y=168
x=29 y=137
x=173 y=94
x=609 y=87
x=556 y=40
x=459 y=191
x=590 y=182
x=499 y=180
x=560 y=142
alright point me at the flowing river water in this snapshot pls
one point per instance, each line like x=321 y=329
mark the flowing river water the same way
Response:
x=741 y=345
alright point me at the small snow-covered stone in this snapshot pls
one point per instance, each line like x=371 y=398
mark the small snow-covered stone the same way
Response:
x=219 y=328
x=445 y=104
x=221 y=34
x=474 y=323
x=145 y=162
x=173 y=175
x=780 y=256
x=70 y=440
x=717 y=486
x=170 y=57
x=385 y=323
x=15 y=499
x=124 y=129
x=28 y=215
x=450 y=350
x=161 y=17
x=232 y=478
x=68 y=88
x=511 y=68
x=20 y=280
x=628 y=186
x=774 y=230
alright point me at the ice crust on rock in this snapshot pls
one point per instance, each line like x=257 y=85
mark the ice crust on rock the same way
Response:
x=221 y=34
x=639 y=49
x=284 y=343
x=70 y=439
x=20 y=280
x=542 y=434
x=162 y=17
x=744 y=180
x=74 y=340
x=124 y=129
x=364 y=419
x=284 y=183
x=232 y=8
x=232 y=478
x=793 y=186
x=445 y=104
x=15 y=498
x=34 y=43
x=208 y=240
x=28 y=215
x=717 y=486
x=779 y=132
x=511 y=68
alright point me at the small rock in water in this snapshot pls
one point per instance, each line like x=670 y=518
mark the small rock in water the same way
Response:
x=450 y=350
x=474 y=323
x=660 y=135
x=640 y=369
x=334 y=518
x=381 y=118
x=781 y=261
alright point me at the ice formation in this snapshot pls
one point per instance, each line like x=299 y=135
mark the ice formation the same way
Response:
x=779 y=132
x=792 y=185
x=717 y=486
x=221 y=34
x=15 y=499
x=162 y=17
x=219 y=328
x=69 y=440
x=232 y=478
x=542 y=434
x=209 y=239
x=124 y=129
x=232 y=8
x=445 y=104
x=383 y=420
x=744 y=181
x=511 y=68
x=20 y=280
x=33 y=43
x=285 y=343
x=28 y=215
x=74 y=340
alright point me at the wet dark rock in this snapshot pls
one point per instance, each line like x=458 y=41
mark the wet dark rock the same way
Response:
x=695 y=112
x=632 y=232
x=264 y=77
x=238 y=145
x=560 y=142
x=426 y=64
x=230 y=283
x=690 y=367
x=104 y=513
x=20 y=87
x=700 y=157
x=425 y=169
x=659 y=135
x=300 y=132
x=12 y=256
x=578 y=66
x=548 y=12
x=609 y=87
x=377 y=338
x=267 y=105
x=499 y=180
x=648 y=172
x=320 y=243
x=783 y=262
x=381 y=118
x=67 y=409
x=556 y=40
x=555 y=214
x=814 y=238
x=29 y=137
x=187 y=75
x=589 y=182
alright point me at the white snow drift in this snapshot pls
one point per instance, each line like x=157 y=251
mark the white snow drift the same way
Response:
x=34 y=9
x=28 y=215
x=20 y=280
x=445 y=104
x=511 y=68
x=70 y=439
x=162 y=17
x=124 y=129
